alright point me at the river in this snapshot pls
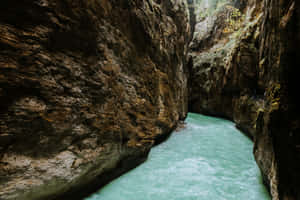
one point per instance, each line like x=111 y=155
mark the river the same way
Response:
x=208 y=160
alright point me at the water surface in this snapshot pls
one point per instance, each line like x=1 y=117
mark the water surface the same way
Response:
x=208 y=160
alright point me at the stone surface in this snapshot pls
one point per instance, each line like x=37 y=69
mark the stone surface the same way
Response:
x=249 y=75
x=86 y=88
x=279 y=122
x=223 y=60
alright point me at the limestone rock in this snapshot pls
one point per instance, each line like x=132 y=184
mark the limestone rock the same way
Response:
x=249 y=75
x=86 y=88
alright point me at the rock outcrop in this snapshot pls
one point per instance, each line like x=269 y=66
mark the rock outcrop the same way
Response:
x=223 y=59
x=244 y=67
x=86 y=88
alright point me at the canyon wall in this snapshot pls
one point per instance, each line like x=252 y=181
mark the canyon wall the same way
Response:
x=244 y=67
x=86 y=89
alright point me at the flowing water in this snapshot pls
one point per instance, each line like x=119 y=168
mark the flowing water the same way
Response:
x=208 y=160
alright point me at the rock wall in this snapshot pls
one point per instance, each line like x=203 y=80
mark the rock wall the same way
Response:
x=279 y=122
x=244 y=67
x=223 y=58
x=86 y=88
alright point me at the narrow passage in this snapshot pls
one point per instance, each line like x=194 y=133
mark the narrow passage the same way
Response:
x=208 y=160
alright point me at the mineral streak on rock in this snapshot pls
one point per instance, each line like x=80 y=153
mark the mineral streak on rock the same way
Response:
x=86 y=88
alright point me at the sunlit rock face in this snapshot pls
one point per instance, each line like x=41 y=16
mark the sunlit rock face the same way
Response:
x=243 y=64
x=223 y=59
x=86 y=88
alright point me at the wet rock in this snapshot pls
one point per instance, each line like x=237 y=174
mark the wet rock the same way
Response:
x=86 y=88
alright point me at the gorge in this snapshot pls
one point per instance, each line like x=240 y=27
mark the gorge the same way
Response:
x=88 y=87
x=204 y=167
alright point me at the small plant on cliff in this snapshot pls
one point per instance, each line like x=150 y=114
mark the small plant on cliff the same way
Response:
x=234 y=19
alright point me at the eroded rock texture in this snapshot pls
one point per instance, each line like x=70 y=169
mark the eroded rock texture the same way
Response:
x=223 y=58
x=246 y=70
x=86 y=88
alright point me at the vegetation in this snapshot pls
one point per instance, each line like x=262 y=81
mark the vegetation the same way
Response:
x=233 y=16
x=234 y=19
x=207 y=8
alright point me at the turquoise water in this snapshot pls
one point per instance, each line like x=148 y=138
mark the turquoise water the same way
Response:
x=208 y=160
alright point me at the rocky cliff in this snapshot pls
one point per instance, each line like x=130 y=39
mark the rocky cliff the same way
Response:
x=86 y=88
x=244 y=67
x=223 y=58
